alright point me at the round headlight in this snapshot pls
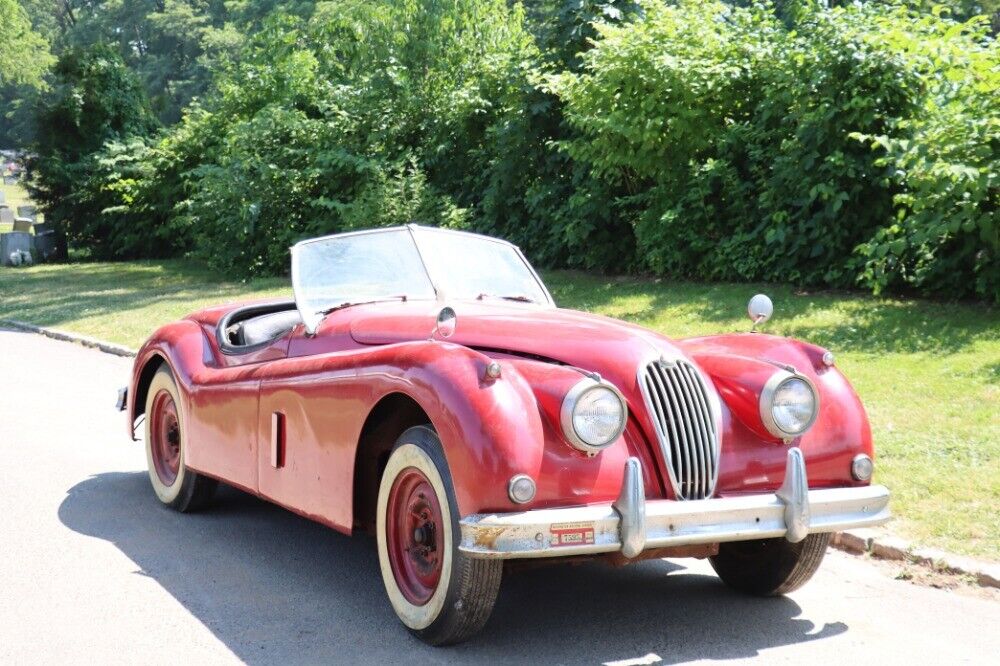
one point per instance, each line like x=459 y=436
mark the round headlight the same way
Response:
x=593 y=415
x=788 y=405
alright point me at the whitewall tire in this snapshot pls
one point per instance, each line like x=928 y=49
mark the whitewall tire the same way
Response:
x=439 y=593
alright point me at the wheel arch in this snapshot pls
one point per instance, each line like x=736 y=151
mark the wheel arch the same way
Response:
x=143 y=380
x=389 y=418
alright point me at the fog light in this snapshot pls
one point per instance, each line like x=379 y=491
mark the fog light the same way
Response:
x=862 y=467
x=521 y=489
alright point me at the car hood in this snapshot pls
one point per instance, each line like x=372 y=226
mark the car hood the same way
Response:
x=608 y=346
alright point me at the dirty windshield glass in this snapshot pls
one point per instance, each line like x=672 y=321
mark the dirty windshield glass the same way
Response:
x=331 y=272
x=467 y=266
x=415 y=263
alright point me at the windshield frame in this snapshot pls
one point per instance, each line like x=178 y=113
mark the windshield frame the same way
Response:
x=313 y=319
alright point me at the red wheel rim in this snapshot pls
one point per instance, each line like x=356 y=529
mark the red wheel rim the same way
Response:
x=165 y=431
x=415 y=536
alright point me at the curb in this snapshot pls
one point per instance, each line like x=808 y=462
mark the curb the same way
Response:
x=884 y=547
x=857 y=542
x=57 y=334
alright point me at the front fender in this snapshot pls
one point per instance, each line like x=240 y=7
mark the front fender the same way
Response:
x=753 y=459
x=492 y=430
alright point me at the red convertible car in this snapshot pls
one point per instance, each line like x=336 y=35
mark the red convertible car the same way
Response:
x=424 y=386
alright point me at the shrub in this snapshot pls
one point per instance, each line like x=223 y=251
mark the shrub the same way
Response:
x=945 y=234
x=832 y=147
x=369 y=114
x=732 y=133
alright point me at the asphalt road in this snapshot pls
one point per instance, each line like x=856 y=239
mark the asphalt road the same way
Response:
x=93 y=570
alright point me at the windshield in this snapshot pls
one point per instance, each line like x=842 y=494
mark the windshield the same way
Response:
x=356 y=268
x=415 y=263
x=468 y=266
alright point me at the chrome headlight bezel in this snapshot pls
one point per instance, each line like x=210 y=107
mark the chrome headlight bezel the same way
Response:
x=767 y=404
x=569 y=404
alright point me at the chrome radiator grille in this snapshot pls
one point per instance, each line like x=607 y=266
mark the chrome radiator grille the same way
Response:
x=681 y=409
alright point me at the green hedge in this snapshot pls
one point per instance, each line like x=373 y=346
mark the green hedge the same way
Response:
x=862 y=145
x=833 y=147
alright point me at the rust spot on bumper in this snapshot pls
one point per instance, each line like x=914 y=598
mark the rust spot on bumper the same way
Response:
x=486 y=537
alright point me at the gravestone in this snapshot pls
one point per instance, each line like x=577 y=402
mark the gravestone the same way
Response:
x=6 y=215
x=30 y=212
x=11 y=242
x=22 y=224
x=3 y=198
x=44 y=241
x=10 y=180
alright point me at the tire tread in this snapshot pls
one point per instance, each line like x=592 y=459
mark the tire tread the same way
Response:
x=770 y=567
x=810 y=558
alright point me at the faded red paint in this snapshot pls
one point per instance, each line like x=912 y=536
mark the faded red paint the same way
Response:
x=326 y=386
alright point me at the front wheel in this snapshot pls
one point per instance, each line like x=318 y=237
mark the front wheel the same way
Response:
x=442 y=595
x=770 y=567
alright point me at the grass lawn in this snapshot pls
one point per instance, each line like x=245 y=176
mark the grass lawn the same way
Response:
x=928 y=372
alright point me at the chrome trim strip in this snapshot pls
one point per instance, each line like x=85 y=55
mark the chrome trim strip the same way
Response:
x=632 y=520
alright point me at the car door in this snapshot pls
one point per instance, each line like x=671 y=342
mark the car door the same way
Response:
x=224 y=405
x=312 y=406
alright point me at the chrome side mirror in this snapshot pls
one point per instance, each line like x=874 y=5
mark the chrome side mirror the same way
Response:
x=446 y=322
x=760 y=308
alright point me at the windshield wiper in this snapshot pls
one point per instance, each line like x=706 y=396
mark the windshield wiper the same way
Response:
x=347 y=304
x=516 y=297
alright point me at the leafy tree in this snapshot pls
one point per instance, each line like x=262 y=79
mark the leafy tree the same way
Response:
x=944 y=235
x=95 y=98
x=369 y=113
x=24 y=54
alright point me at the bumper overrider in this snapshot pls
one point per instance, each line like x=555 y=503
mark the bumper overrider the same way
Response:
x=631 y=524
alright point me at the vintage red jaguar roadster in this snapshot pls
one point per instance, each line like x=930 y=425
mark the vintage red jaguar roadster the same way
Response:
x=423 y=385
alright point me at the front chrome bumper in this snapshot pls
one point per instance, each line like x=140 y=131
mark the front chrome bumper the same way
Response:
x=631 y=525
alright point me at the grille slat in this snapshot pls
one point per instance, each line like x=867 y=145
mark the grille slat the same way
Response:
x=679 y=404
x=707 y=425
x=661 y=396
x=684 y=467
x=704 y=438
x=698 y=441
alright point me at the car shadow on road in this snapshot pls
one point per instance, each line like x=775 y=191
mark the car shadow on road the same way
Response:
x=275 y=587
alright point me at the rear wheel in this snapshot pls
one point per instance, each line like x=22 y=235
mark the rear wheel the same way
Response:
x=175 y=485
x=439 y=593
x=770 y=567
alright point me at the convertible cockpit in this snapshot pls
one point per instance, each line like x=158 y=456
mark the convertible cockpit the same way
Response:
x=251 y=327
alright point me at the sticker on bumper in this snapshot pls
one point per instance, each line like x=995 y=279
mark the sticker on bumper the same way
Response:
x=572 y=534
